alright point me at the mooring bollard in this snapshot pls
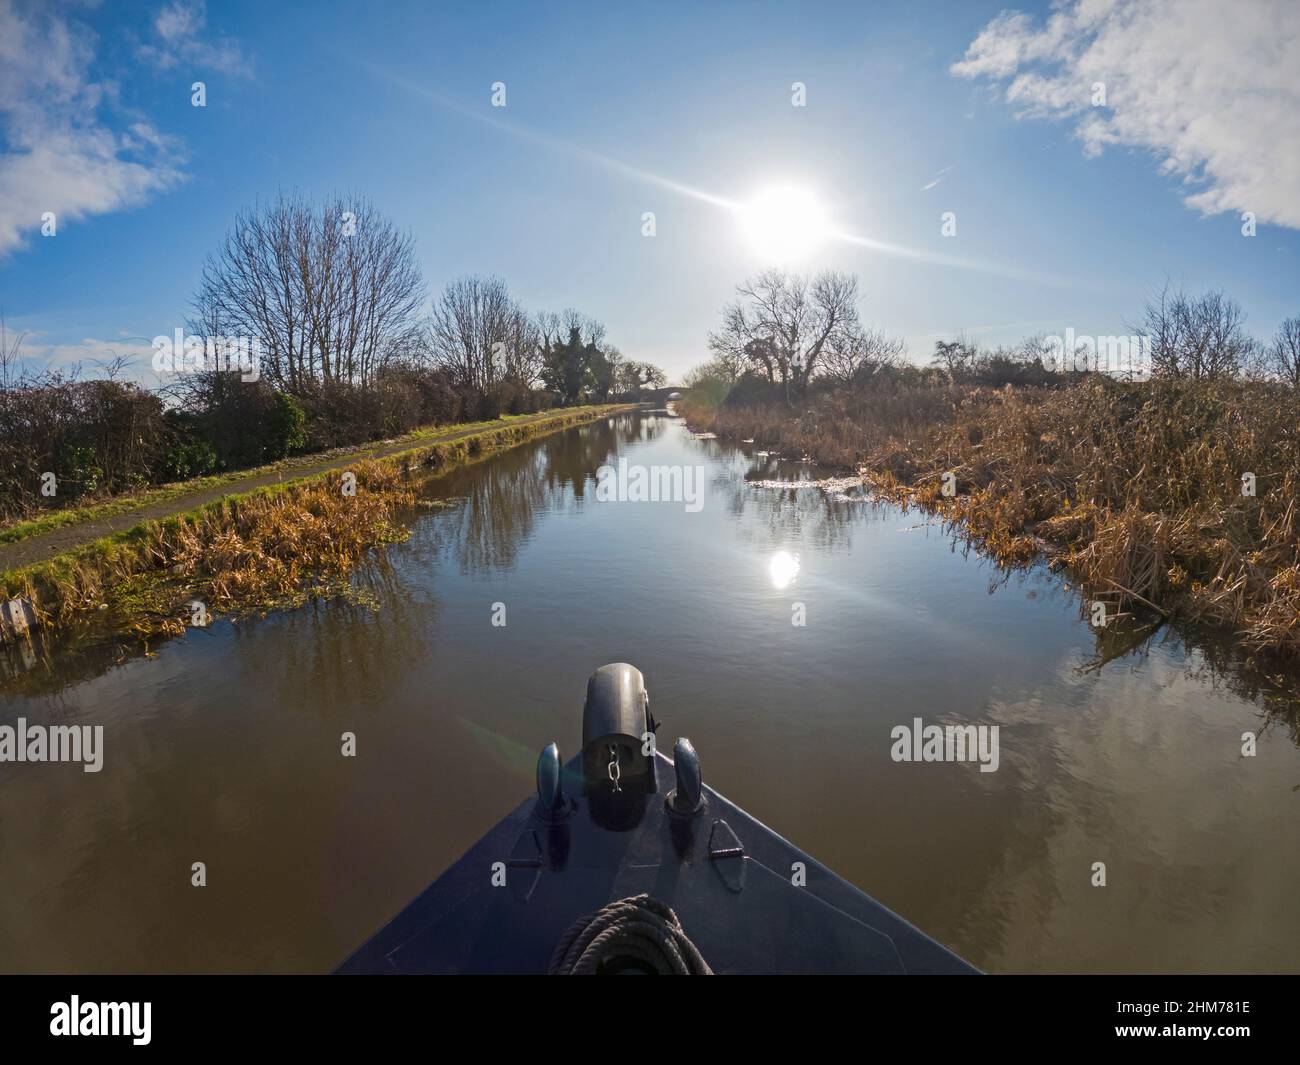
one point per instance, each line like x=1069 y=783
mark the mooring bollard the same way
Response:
x=17 y=618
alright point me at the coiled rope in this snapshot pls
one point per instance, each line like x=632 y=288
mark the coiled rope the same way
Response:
x=637 y=929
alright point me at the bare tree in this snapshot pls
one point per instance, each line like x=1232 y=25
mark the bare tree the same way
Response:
x=330 y=293
x=652 y=376
x=523 y=349
x=857 y=355
x=1036 y=349
x=632 y=377
x=956 y=357
x=782 y=323
x=728 y=365
x=555 y=328
x=11 y=365
x=1200 y=338
x=1282 y=356
x=482 y=337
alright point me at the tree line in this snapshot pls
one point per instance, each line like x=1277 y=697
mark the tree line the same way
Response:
x=335 y=294
x=350 y=349
x=787 y=333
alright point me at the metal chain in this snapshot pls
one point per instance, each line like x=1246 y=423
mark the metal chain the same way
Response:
x=614 y=771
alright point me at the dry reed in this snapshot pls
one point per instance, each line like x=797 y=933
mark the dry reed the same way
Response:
x=1137 y=487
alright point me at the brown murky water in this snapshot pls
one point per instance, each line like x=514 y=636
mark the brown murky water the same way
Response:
x=225 y=747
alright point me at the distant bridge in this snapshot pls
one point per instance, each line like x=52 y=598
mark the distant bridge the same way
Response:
x=660 y=396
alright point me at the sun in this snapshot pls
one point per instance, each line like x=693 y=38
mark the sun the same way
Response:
x=784 y=224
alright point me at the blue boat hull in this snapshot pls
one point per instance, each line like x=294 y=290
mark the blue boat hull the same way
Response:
x=750 y=901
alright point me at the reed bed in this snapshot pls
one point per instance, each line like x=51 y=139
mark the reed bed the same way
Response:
x=249 y=553
x=1136 y=487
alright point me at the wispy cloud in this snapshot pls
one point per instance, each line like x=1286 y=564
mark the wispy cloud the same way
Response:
x=937 y=178
x=91 y=357
x=1209 y=88
x=59 y=154
x=179 y=36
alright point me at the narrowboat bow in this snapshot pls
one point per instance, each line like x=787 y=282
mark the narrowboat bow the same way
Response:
x=627 y=862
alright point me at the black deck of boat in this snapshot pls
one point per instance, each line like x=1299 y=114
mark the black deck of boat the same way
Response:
x=743 y=913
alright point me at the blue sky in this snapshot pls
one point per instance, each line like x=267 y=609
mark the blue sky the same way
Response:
x=611 y=108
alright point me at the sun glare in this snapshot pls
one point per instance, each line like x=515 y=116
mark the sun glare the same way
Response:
x=785 y=224
x=783 y=568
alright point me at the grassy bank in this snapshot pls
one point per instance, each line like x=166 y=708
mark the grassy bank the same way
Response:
x=253 y=551
x=60 y=517
x=1137 y=488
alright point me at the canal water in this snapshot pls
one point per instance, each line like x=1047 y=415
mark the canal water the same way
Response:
x=224 y=747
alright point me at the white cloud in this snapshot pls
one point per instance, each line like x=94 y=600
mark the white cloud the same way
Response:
x=178 y=29
x=1210 y=88
x=59 y=155
x=179 y=21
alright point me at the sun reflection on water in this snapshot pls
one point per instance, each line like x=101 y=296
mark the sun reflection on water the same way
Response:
x=783 y=569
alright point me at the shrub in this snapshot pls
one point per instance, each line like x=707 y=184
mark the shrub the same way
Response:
x=286 y=430
x=187 y=452
x=94 y=436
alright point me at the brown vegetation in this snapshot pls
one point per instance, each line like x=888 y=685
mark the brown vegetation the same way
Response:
x=253 y=552
x=1137 y=487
